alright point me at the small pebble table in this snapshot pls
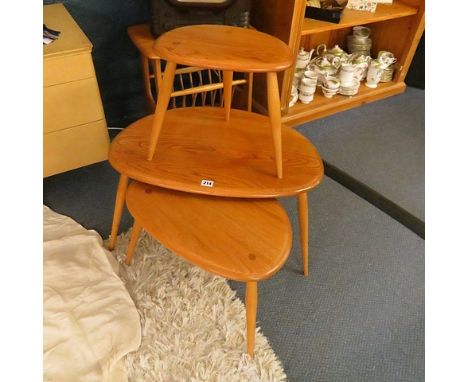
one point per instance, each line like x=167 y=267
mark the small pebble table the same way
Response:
x=200 y=152
x=246 y=240
x=226 y=48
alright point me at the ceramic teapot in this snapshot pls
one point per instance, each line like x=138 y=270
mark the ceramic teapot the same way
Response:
x=330 y=54
x=323 y=67
x=324 y=64
x=303 y=58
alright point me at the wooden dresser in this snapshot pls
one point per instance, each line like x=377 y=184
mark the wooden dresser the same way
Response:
x=75 y=129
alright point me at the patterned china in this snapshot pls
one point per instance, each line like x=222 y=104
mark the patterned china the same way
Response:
x=374 y=73
x=303 y=58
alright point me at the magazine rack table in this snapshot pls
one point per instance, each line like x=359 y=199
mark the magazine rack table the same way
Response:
x=229 y=49
x=201 y=81
x=251 y=242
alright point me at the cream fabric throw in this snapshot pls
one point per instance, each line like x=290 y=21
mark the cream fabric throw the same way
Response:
x=90 y=321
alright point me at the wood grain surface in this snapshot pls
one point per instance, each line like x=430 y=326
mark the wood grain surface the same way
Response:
x=240 y=239
x=237 y=155
x=224 y=47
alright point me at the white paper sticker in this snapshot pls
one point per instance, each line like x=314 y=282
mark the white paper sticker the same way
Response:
x=207 y=183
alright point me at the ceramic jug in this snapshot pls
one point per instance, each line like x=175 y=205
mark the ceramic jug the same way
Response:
x=348 y=73
x=374 y=73
x=362 y=63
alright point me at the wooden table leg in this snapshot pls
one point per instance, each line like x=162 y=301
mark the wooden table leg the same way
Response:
x=147 y=83
x=157 y=71
x=250 y=89
x=304 y=229
x=251 y=307
x=227 y=91
x=119 y=203
x=274 y=110
x=133 y=242
x=164 y=94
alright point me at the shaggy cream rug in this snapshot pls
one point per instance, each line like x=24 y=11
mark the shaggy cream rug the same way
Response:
x=193 y=325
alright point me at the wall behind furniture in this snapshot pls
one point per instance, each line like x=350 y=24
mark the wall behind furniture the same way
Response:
x=116 y=60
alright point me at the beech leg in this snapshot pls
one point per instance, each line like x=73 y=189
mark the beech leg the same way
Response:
x=119 y=203
x=133 y=242
x=147 y=83
x=164 y=94
x=274 y=110
x=304 y=229
x=250 y=88
x=227 y=92
x=251 y=297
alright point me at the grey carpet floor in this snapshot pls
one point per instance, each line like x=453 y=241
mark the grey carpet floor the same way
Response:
x=380 y=144
x=359 y=316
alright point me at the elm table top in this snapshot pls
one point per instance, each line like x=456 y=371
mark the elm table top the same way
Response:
x=198 y=144
x=240 y=239
x=224 y=47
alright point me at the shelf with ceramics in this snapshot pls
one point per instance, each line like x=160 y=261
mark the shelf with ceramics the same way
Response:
x=335 y=71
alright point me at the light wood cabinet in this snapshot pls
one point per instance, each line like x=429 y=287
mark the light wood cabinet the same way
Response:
x=75 y=129
x=395 y=27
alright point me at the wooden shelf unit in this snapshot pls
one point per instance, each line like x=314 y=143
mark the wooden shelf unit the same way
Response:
x=395 y=27
x=351 y=18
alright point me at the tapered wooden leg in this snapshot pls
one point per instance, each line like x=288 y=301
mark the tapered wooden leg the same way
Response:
x=250 y=88
x=227 y=92
x=274 y=110
x=133 y=242
x=119 y=203
x=147 y=82
x=157 y=71
x=304 y=229
x=164 y=94
x=251 y=307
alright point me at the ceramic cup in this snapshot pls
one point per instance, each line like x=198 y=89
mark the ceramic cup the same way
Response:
x=331 y=82
x=374 y=74
x=308 y=86
x=311 y=75
x=329 y=93
x=306 y=98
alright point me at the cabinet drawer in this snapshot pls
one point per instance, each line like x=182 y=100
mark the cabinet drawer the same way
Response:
x=75 y=147
x=67 y=68
x=71 y=104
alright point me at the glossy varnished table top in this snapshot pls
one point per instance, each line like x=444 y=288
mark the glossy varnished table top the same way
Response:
x=224 y=47
x=240 y=239
x=198 y=144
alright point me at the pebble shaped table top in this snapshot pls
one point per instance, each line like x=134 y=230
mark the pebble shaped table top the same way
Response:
x=224 y=47
x=240 y=239
x=197 y=145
